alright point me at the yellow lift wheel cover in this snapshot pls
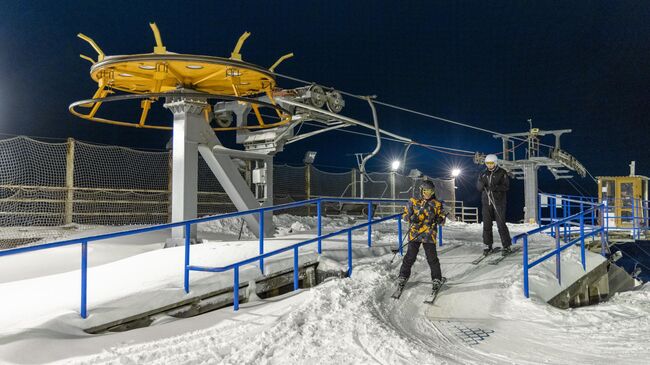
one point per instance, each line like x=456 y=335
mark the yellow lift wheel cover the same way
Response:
x=163 y=73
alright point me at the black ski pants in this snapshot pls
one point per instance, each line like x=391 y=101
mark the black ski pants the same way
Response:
x=498 y=213
x=412 y=254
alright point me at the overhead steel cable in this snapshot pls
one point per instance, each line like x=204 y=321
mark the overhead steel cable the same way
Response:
x=440 y=149
x=431 y=116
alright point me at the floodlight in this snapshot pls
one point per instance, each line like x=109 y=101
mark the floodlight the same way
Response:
x=455 y=172
x=310 y=156
x=394 y=166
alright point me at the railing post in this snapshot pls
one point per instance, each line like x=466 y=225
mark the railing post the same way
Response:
x=370 y=224
x=582 y=242
x=400 y=239
x=553 y=212
x=439 y=236
x=319 y=228
x=633 y=220
x=261 y=236
x=349 y=253
x=295 y=268
x=564 y=215
x=525 y=263
x=186 y=282
x=235 y=288
x=604 y=226
x=558 y=264
x=84 y=279
x=582 y=210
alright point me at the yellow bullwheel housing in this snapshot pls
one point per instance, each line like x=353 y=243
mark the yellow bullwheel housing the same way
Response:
x=148 y=77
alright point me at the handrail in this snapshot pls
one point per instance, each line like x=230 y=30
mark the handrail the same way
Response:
x=188 y=223
x=235 y=266
x=558 y=222
x=158 y=227
x=636 y=222
x=558 y=247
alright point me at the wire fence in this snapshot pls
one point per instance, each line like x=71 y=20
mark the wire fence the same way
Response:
x=48 y=189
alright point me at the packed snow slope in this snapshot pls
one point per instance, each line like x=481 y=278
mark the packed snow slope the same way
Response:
x=480 y=317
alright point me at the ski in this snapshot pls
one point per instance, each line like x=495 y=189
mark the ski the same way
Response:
x=434 y=294
x=499 y=259
x=483 y=257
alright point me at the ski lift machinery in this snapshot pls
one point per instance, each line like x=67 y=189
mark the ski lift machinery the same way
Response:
x=208 y=95
x=559 y=162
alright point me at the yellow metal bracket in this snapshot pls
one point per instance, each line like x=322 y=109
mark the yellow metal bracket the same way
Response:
x=87 y=58
x=159 y=48
x=279 y=61
x=235 y=55
x=146 y=106
x=100 y=53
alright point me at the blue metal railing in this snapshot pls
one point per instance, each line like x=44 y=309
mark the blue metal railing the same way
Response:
x=637 y=221
x=262 y=255
x=295 y=247
x=555 y=227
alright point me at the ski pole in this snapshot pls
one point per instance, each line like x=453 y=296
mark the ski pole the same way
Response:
x=403 y=238
x=491 y=202
x=411 y=240
x=404 y=244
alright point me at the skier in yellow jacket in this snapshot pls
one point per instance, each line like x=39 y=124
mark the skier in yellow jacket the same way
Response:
x=424 y=215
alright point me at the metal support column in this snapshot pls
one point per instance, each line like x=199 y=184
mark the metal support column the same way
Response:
x=185 y=164
x=530 y=193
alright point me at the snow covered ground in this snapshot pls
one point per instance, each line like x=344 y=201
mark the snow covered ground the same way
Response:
x=481 y=317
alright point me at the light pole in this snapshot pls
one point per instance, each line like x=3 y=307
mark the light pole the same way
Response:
x=455 y=172
x=308 y=160
x=394 y=167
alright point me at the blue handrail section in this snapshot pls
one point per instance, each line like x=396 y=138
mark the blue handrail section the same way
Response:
x=84 y=241
x=553 y=207
x=568 y=242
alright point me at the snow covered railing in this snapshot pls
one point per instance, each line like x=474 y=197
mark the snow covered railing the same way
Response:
x=295 y=247
x=83 y=241
x=555 y=227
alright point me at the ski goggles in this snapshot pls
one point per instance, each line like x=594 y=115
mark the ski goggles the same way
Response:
x=427 y=191
x=490 y=163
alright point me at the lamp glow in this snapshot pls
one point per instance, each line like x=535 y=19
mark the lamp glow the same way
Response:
x=394 y=166
x=455 y=172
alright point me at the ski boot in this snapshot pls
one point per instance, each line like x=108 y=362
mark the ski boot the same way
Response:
x=401 y=282
x=506 y=251
x=435 y=289
x=437 y=284
x=487 y=251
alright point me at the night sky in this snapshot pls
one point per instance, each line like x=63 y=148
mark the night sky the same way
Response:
x=583 y=65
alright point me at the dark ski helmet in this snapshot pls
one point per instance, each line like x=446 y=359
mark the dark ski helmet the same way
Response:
x=427 y=185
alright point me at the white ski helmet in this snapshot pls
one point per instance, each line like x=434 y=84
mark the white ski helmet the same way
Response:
x=491 y=158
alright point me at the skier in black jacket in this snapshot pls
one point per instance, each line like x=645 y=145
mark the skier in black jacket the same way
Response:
x=494 y=184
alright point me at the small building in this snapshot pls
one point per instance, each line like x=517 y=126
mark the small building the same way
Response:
x=627 y=198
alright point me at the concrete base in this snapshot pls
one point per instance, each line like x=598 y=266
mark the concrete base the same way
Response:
x=272 y=285
x=620 y=280
x=592 y=288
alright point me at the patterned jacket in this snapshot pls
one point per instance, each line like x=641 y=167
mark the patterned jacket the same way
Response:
x=424 y=217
